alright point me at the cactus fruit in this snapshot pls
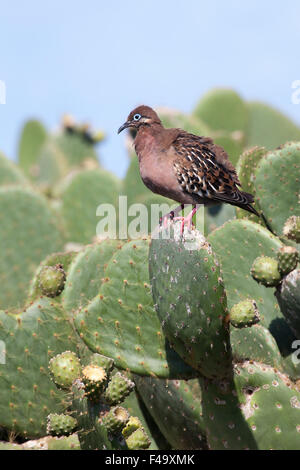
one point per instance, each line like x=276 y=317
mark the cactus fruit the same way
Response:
x=118 y=389
x=265 y=270
x=288 y=295
x=52 y=280
x=60 y=424
x=138 y=440
x=65 y=368
x=291 y=228
x=288 y=258
x=244 y=314
x=115 y=419
x=95 y=381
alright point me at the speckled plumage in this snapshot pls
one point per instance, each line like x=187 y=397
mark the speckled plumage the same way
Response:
x=184 y=167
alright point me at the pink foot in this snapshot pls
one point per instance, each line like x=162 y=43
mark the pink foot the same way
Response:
x=186 y=220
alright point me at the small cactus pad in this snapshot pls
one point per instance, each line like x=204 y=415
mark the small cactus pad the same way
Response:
x=119 y=387
x=191 y=301
x=277 y=183
x=291 y=228
x=265 y=271
x=138 y=440
x=95 y=380
x=27 y=394
x=115 y=419
x=121 y=323
x=288 y=258
x=32 y=139
x=52 y=280
x=65 y=368
x=244 y=314
x=60 y=424
x=255 y=343
x=288 y=295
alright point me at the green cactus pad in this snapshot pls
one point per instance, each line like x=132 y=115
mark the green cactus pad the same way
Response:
x=291 y=229
x=121 y=323
x=65 y=368
x=27 y=394
x=276 y=183
x=60 y=424
x=115 y=419
x=268 y=127
x=265 y=270
x=176 y=407
x=191 y=301
x=32 y=139
x=118 y=388
x=223 y=109
x=237 y=244
x=28 y=233
x=288 y=258
x=87 y=273
x=288 y=295
x=81 y=196
x=244 y=314
x=256 y=344
x=238 y=412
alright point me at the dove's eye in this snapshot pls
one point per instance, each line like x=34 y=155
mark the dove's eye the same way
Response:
x=137 y=117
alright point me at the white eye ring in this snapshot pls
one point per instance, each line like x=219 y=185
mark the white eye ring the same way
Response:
x=137 y=117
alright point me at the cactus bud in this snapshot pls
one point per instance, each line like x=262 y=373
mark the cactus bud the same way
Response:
x=51 y=280
x=288 y=258
x=244 y=314
x=291 y=228
x=265 y=271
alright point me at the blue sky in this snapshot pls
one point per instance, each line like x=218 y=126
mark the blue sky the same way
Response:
x=97 y=60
